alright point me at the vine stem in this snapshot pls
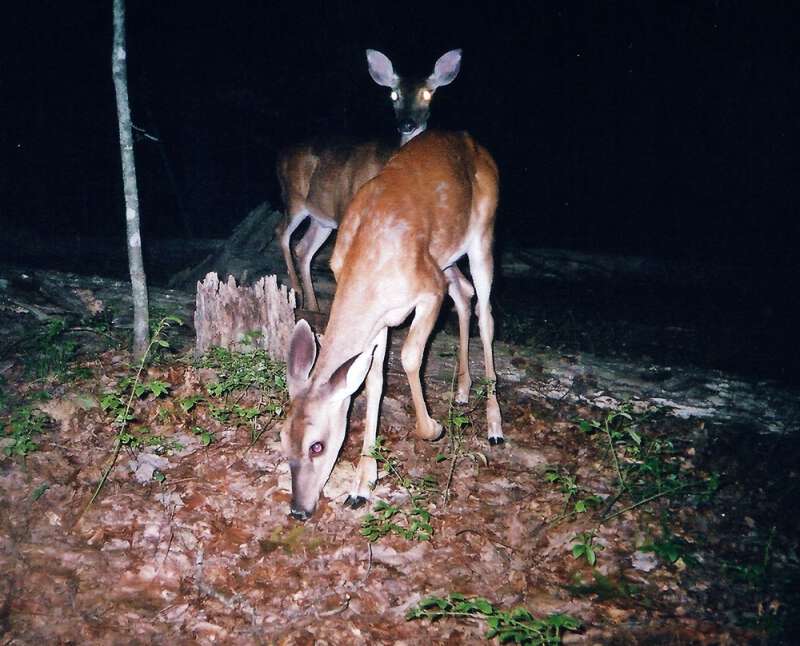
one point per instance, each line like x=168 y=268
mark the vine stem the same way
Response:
x=644 y=501
x=103 y=479
x=622 y=484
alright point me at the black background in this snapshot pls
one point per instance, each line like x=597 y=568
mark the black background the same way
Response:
x=642 y=128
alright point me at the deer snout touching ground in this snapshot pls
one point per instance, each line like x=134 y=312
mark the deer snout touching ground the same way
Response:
x=395 y=255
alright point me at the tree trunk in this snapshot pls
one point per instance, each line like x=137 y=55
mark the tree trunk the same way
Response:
x=141 y=331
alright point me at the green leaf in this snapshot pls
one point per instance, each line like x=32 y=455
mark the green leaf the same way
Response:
x=39 y=491
x=189 y=403
x=483 y=605
x=432 y=602
x=158 y=388
x=440 y=457
x=521 y=614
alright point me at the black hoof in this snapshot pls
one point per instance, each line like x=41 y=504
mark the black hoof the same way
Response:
x=354 y=502
x=440 y=436
x=301 y=515
x=497 y=441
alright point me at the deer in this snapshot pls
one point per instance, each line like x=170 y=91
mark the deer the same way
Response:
x=319 y=179
x=396 y=253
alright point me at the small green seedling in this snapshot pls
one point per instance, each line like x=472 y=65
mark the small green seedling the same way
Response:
x=585 y=548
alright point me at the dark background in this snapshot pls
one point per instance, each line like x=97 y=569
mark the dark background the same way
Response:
x=633 y=127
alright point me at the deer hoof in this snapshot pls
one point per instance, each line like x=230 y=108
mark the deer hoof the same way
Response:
x=497 y=441
x=354 y=502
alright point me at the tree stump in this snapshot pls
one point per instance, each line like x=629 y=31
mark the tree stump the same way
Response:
x=227 y=315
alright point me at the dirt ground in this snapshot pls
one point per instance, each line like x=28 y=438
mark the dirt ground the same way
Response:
x=190 y=540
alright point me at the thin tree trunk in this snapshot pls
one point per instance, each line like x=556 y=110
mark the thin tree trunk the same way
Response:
x=141 y=331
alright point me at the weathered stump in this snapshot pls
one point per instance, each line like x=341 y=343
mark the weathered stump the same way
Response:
x=227 y=315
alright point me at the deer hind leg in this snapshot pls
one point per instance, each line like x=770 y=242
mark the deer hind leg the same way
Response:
x=425 y=313
x=309 y=244
x=294 y=218
x=367 y=471
x=481 y=265
x=461 y=292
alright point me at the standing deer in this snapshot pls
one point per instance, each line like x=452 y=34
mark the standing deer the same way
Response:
x=395 y=254
x=319 y=180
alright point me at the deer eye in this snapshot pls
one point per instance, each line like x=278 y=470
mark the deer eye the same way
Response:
x=395 y=95
x=316 y=449
x=427 y=94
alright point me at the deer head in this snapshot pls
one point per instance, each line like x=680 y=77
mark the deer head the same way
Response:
x=312 y=439
x=411 y=99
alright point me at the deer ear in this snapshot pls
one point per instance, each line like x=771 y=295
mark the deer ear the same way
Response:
x=380 y=69
x=302 y=352
x=446 y=69
x=350 y=375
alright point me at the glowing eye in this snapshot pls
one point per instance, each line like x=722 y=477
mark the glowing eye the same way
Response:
x=427 y=94
x=316 y=448
x=395 y=95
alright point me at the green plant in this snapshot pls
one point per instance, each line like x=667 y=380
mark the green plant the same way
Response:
x=584 y=547
x=581 y=499
x=39 y=491
x=48 y=350
x=647 y=467
x=459 y=420
x=24 y=423
x=142 y=437
x=206 y=437
x=412 y=520
x=121 y=405
x=669 y=549
x=119 y=401
x=518 y=625
x=238 y=372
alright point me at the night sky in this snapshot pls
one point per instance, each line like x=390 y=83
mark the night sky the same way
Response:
x=640 y=128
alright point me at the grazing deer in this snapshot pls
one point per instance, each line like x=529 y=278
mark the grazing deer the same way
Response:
x=319 y=180
x=396 y=253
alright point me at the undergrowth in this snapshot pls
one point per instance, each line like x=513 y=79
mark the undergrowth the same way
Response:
x=517 y=625
x=411 y=519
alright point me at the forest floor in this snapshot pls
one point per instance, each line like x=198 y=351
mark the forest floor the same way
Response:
x=639 y=499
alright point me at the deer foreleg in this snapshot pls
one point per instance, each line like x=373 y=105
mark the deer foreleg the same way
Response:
x=367 y=471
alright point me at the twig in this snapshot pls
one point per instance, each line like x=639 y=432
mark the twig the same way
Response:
x=469 y=530
x=622 y=484
x=336 y=611
x=644 y=501
x=369 y=563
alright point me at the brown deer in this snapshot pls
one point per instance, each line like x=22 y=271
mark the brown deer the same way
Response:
x=318 y=180
x=395 y=254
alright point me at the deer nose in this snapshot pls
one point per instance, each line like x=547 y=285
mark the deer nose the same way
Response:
x=300 y=514
x=406 y=126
